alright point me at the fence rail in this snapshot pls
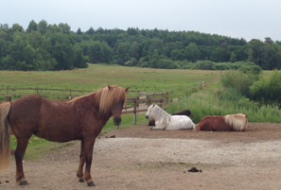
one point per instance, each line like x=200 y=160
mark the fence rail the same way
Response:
x=140 y=103
x=60 y=94
x=137 y=102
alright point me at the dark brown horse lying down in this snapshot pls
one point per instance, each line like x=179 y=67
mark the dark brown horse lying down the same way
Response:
x=233 y=122
x=184 y=112
x=79 y=119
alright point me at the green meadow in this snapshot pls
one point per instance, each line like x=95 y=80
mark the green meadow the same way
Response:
x=97 y=76
x=197 y=90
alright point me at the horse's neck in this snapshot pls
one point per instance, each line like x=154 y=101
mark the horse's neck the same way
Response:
x=88 y=103
x=160 y=114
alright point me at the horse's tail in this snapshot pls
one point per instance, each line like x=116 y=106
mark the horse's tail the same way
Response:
x=197 y=127
x=4 y=135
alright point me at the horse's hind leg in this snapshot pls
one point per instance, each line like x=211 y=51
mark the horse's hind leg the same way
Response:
x=19 y=153
x=81 y=163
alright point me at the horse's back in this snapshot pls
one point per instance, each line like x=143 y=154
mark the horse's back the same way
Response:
x=213 y=123
x=44 y=118
x=26 y=108
x=232 y=122
x=179 y=122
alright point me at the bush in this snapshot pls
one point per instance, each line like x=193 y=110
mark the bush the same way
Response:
x=222 y=66
x=204 y=65
x=254 y=69
x=132 y=62
x=184 y=64
x=239 y=81
x=267 y=90
x=166 y=63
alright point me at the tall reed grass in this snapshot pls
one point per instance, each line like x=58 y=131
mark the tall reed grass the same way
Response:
x=222 y=102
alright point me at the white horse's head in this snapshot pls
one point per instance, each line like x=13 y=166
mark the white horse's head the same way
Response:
x=149 y=112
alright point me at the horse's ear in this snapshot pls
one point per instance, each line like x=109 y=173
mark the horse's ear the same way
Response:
x=109 y=87
x=127 y=89
x=153 y=105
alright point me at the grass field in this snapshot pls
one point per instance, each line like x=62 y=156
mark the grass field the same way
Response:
x=97 y=76
x=197 y=90
x=179 y=83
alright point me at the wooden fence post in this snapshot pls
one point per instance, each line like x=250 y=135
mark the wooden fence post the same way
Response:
x=70 y=97
x=148 y=101
x=135 y=111
x=161 y=103
x=8 y=98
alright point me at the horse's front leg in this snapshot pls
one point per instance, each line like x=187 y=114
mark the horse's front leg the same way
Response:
x=88 y=151
x=157 y=128
x=158 y=125
x=81 y=162
x=19 y=153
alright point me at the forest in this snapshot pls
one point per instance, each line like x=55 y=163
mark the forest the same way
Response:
x=42 y=46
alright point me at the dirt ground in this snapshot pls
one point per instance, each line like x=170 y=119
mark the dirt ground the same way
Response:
x=138 y=158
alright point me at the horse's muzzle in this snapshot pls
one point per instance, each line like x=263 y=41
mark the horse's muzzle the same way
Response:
x=117 y=121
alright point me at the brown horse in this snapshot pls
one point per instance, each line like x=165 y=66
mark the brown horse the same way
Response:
x=231 y=122
x=79 y=119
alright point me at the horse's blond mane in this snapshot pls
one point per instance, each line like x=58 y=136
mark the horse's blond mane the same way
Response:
x=239 y=122
x=75 y=99
x=160 y=113
x=107 y=96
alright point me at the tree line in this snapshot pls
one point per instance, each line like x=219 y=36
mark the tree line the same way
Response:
x=43 y=46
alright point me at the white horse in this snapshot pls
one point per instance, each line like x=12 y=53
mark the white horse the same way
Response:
x=165 y=121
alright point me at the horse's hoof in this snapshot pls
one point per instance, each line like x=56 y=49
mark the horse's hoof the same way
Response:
x=81 y=180
x=22 y=183
x=91 y=184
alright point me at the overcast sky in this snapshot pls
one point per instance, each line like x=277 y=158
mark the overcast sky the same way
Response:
x=248 y=19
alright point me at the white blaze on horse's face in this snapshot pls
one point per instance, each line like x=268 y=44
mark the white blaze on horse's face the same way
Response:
x=149 y=111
